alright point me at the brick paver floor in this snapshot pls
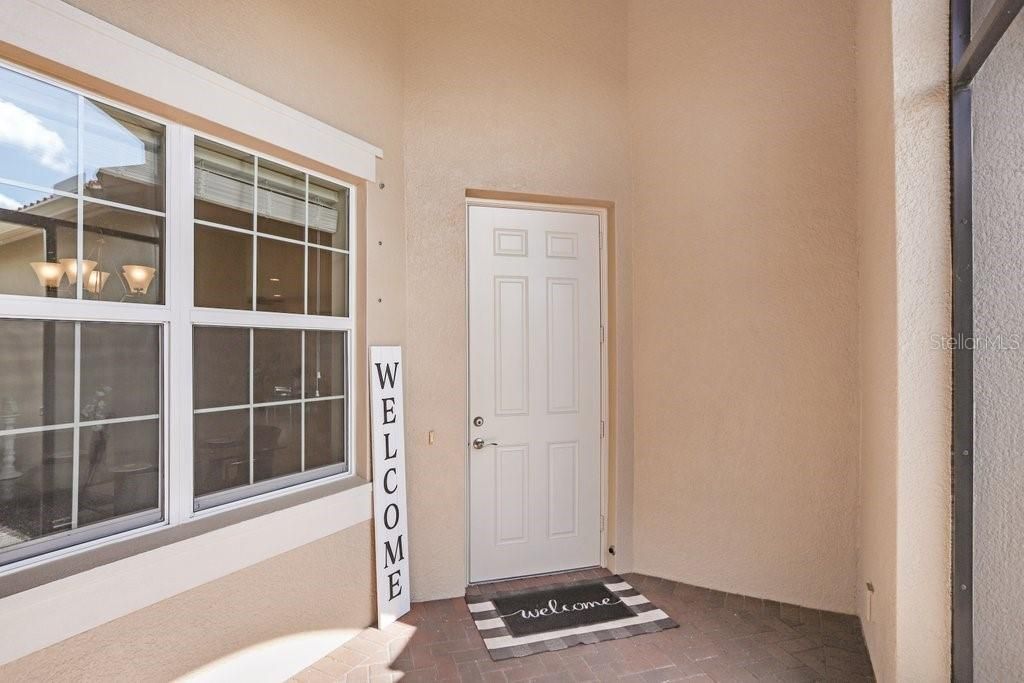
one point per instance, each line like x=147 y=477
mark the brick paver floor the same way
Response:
x=721 y=637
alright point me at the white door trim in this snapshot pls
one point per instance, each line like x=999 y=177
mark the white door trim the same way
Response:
x=602 y=215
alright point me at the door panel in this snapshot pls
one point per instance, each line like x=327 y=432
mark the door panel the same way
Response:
x=512 y=487
x=535 y=380
x=563 y=357
x=511 y=346
x=563 y=489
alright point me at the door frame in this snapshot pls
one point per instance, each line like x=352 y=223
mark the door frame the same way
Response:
x=515 y=200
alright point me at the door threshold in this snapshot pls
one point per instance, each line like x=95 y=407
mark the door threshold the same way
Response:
x=533 y=576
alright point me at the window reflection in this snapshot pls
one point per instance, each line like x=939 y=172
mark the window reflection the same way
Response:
x=120 y=371
x=38 y=132
x=221 y=450
x=117 y=457
x=119 y=470
x=38 y=243
x=123 y=157
x=123 y=163
x=80 y=402
x=123 y=254
x=37 y=373
x=37 y=501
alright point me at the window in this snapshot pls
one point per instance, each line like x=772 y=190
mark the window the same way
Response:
x=81 y=439
x=270 y=415
x=274 y=412
x=92 y=299
x=289 y=256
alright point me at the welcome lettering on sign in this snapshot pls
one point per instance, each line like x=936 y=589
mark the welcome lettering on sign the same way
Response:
x=388 y=448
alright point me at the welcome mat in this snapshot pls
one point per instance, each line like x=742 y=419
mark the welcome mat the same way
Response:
x=555 y=617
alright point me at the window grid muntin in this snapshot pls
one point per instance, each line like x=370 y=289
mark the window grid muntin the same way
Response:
x=80 y=230
x=253 y=318
x=262 y=235
x=76 y=535
x=81 y=96
x=18 y=431
x=80 y=310
x=344 y=468
x=255 y=234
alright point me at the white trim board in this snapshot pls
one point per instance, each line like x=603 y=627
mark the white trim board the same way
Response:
x=64 y=34
x=48 y=614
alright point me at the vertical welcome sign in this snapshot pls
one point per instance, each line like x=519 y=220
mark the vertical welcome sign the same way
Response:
x=391 y=529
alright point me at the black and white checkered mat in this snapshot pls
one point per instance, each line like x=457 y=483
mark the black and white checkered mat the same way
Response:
x=521 y=623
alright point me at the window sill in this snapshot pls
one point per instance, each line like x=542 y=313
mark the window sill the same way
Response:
x=59 y=598
x=45 y=571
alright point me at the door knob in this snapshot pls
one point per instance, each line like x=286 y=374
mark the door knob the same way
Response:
x=479 y=443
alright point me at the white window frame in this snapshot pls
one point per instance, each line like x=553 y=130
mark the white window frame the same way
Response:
x=259 y=319
x=176 y=317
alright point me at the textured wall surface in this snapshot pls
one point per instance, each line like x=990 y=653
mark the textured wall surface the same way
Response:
x=876 y=211
x=999 y=361
x=223 y=628
x=525 y=97
x=920 y=95
x=743 y=145
x=903 y=203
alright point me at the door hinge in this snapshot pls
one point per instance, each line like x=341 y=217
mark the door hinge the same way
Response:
x=602 y=522
x=600 y=239
x=602 y=334
x=602 y=429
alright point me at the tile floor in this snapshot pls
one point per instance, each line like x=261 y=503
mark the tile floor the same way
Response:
x=722 y=637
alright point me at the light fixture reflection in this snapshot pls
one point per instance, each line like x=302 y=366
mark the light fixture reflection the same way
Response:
x=49 y=273
x=138 y=278
x=71 y=268
x=95 y=280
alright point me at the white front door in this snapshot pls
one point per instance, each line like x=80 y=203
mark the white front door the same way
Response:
x=535 y=391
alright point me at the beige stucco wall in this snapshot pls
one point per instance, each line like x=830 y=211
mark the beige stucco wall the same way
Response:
x=998 y=99
x=743 y=147
x=222 y=627
x=525 y=97
x=876 y=214
x=920 y=96
x=903 y=201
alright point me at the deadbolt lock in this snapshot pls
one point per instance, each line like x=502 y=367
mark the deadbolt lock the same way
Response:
x=478 y=421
